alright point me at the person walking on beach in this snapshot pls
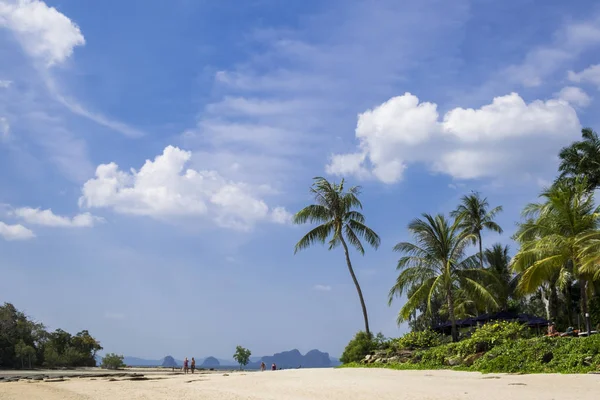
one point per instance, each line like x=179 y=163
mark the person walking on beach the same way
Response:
x=193 y=364
x=185 y=366
x=273 y=367
x=262 y=366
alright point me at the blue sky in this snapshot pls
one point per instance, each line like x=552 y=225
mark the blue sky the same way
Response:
x=153 y=153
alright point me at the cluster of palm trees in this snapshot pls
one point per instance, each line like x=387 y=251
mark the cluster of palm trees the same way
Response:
x=558 y=255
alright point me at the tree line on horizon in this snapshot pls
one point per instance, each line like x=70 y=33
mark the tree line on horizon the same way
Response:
x=25 y=343
x=555 y=270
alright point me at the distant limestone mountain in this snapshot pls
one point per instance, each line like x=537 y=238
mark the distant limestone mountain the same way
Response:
x=210 y=362
x=295 y=359
x=286 y=359
x=169 y=362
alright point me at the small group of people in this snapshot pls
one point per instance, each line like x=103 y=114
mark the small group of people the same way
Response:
x=187 y=366
x=263 y=366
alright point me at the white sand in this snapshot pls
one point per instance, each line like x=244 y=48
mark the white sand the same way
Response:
x=315 y=384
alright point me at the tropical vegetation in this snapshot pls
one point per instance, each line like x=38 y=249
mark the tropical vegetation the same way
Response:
x=25 y=343
x=446 y=273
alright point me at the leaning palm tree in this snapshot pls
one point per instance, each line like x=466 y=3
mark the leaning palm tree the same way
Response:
x=556 y=239
x=475 y=217
x=435 y=264
x=339 y=221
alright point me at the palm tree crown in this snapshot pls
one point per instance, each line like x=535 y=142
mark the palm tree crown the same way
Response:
x=556 y=236
x=475 y=217
x=582 y=159
x=436 y=264
x=339 y=221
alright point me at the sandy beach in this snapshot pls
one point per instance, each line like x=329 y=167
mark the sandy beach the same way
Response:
x=330 y=384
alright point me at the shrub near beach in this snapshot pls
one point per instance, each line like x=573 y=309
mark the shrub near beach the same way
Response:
x=501 y=347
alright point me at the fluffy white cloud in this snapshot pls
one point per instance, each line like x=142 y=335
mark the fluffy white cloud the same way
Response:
x=588 y=75
x=509 y=116
x=164 y=188
x=575 y=96
x=37 y=216
x=322 y=288
x=43 y=31
x=15 y=232
x=502 y=137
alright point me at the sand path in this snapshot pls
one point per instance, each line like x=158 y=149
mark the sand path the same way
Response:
x=315 y=384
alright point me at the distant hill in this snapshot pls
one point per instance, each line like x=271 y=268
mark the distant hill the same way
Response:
x=286 y=359
x=210 y=362
x=295 y=359
x=169 y=362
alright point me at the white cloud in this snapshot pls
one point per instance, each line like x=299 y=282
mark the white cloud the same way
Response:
x=44 y=32
x=491 y=141
x=36 y=216
x=4 y=84
x=575 y=96
x=164 y=188
x=280 y=215
x=509 y=116
x=15 y=232
x=542 y=62
x=322 y=288
x=588 y=75
x=4 y=128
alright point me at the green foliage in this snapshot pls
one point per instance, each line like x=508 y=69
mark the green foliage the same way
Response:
x=112 y=361
x=361 y=345
x=26 y=344
x=436 y=264
x=419 y=340
x=506 y=347
x=497 y=333
x=580 y=159
x=543 y=354
x=242 y=356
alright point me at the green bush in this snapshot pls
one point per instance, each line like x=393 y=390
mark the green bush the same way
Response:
x=361 y=345
x=112 y=361
x=495 y=333
x=507 y=348
x=419 y=340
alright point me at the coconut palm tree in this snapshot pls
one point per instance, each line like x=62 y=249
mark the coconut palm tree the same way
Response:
x=498 y=262
x=582 y=159
x=556 y=239
x=340 y=222
x=435 y=264
x=475 y=217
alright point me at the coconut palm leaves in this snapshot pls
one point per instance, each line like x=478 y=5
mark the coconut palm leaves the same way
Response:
x=497 y=261
x=475 y=217
x=582 y=159
x=556 y=238
x=339 y=222
x=435 y=264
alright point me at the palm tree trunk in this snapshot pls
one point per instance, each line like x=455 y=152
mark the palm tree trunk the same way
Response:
x=450 y=300
x=360 y=295
x=553 y=304
x=480 y=249
x=584 y=305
